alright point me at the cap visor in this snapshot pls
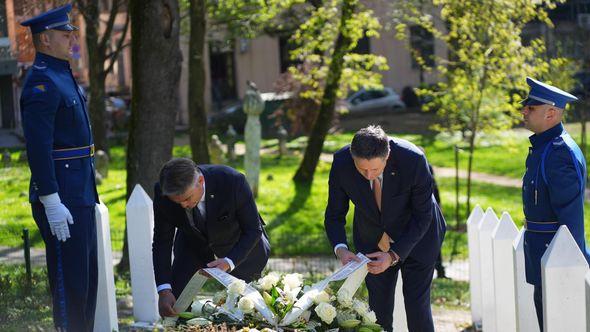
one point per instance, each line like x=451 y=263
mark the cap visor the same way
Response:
x=531 y=102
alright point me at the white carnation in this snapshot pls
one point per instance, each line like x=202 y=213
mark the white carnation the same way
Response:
x=360 y=307
x=326 y=312
x=237 y=287
x=267 y=282
x=345 y=297
x=293 y=280
x=246 y=305
x=370 y=318
x=321 y=297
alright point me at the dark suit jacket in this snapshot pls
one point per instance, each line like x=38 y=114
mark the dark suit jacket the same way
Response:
x=234 y=227
x=410 y=214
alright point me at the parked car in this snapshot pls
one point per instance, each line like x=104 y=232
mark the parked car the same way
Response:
x=234 y=114
x=374 y=100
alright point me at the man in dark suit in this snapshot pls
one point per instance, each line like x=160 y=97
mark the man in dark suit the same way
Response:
x=397 y=222
x=212 y=211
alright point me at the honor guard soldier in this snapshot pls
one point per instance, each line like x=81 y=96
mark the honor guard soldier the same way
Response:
x=60 y=153
x=554 y=182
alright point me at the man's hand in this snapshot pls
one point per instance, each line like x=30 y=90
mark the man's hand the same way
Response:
x=220 y=263
x=58 y=216
x=380 y=262
x=346 y=256
x=166 y=303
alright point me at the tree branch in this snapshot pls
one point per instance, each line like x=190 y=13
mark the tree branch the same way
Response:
x=110 y=23
x=115 y=54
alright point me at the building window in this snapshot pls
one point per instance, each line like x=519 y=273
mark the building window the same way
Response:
x=223 y=72
x=422 y=44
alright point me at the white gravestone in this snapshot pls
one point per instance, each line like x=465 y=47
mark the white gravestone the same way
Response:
x=526 y=316
x=473 y=222
x=486 y=227
x=140 y=225
x=105 y=318
x=504 y=285
x=563 y=268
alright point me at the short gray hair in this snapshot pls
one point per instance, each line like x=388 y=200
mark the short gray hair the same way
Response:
x=369 y=143
x=177 y=175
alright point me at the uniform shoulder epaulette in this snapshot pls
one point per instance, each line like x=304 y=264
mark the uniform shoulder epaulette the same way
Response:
x=558 y=141
x=40 y=67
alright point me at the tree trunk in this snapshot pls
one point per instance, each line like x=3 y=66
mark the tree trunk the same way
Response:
x=473 y=129
x=196 y=83
x=96 y=75
x=469 y=168
x=156 y=62
x=306 y=170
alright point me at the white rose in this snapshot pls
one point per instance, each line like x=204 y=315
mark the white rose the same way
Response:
x=267 y=282
x=321 y=297
x=290 y=296
x=293 y=280
x=370 y=318
x=326 y=312
x=246 y=305
x=360 y=307
x=344 y=297
x=237 y=287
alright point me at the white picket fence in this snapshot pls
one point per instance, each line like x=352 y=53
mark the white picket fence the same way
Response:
x=501 y=300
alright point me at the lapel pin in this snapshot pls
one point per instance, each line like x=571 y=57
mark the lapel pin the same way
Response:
x=392 y=173
x=212 y=196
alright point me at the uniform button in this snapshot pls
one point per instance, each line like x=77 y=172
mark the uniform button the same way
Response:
x=67 y=165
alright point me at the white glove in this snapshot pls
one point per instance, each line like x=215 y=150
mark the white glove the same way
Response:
x=58 y=216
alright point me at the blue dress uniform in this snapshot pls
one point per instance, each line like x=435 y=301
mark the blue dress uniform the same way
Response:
x=60 y=152
x=553 y=187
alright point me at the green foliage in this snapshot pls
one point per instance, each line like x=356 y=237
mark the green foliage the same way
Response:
x=484 y=76
x=315 y=40
x=248 y=18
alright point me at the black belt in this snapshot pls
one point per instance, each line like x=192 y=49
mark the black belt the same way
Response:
x=542 y=226
x=73 y=153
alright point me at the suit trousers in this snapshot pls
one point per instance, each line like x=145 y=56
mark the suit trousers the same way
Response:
x=417 y=279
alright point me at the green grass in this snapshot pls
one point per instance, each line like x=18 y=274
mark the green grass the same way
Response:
x=499 y=154
x=294 y=216
x=450 y=294
x=24 y=308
